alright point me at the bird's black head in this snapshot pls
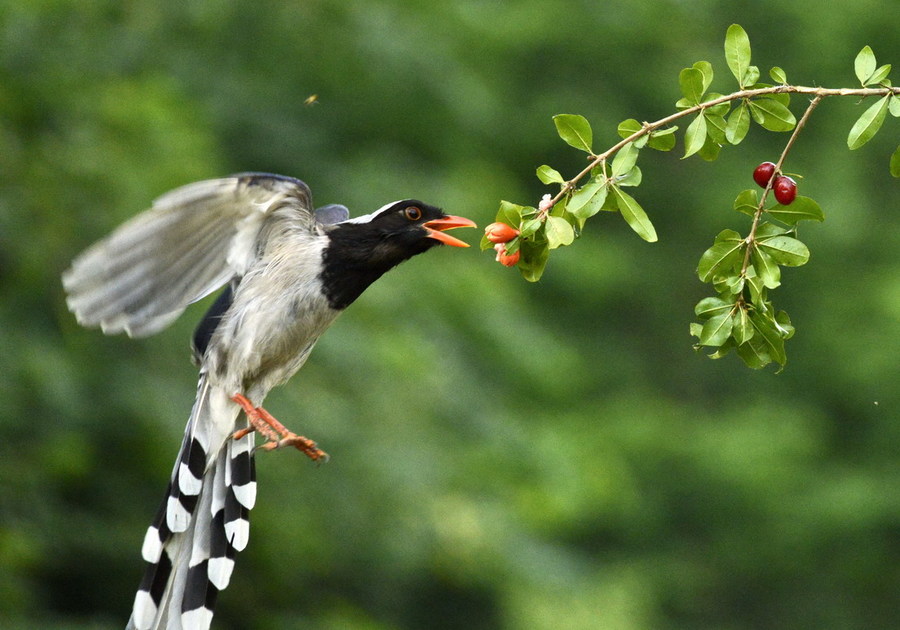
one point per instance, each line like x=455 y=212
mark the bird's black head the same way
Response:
x=360 y=250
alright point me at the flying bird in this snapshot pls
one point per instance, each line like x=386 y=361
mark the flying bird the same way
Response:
x=288 y=272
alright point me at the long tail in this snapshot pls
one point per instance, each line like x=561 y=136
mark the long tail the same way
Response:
x=203 y=521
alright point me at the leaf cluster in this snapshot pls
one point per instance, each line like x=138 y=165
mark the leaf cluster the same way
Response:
x=742 y=271
x=722 y=120
x=869 y=123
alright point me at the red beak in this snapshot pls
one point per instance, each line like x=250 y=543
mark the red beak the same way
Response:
x=436 y=227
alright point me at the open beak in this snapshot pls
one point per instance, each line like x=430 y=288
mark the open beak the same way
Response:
x=436 y=227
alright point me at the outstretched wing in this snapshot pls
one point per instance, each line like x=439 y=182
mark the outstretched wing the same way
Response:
x=192 y=240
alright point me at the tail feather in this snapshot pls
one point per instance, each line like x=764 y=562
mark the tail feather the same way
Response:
x=191 y=544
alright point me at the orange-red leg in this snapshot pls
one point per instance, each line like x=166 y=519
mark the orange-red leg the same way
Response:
x=276 y=434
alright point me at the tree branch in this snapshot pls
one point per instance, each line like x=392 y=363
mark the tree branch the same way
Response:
x=818 y=92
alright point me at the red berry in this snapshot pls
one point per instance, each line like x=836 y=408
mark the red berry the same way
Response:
x=785 y=190
x=763 y=173
x=500 y=233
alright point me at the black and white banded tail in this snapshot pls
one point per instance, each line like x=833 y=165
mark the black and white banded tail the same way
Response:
x=203 y=521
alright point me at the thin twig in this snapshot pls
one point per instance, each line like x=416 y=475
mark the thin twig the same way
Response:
x=751 y=238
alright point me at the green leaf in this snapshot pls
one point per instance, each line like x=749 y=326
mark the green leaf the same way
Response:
x=769 y=334
x=691 y=82
x=715 y=128
x=802 y=209
x=895 y=163
x=513 y=246
x=588 y=200
x=511 y=213
x=728 y=236
x=880 y=74
x=738 y=124
x=610 y=204
x=722 y=257
x=530 y=227
x=751 y=76
x=747 y=202
x=864 y=65
x=710 y=149
x=894 y=106
x=631 y=178
x=575 y=130
x=663 y=140
x=868 y=124
x=784 y=98
x=768 y=230
x=533 y=261
x=559 y=232
x=720 y=109
x=635 y=216
x=783 y=323
x=624 y=160
x=742 y=330
x=723 y=350
x=628 y=127
x=778 y=75
x=716 y=330
x=730 y=284
x=695 y=136
x=785 y=250
x=754 y=353
x=766 y=270
x=706 y=70
x=737 y=52
x=549 y=175
x=756 y=286
x=772 y=115
x=710 y=306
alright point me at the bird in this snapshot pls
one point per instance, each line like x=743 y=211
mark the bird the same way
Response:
x=288 y=270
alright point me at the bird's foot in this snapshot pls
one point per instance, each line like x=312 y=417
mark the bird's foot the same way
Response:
x=276 y=434
x=302 y=444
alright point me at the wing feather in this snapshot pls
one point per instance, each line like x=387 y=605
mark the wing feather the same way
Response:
x=188 y=244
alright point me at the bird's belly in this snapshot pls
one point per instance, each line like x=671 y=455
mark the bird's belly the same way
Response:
x=263 y=343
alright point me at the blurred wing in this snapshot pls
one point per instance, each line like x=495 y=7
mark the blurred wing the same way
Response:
x=192 y=240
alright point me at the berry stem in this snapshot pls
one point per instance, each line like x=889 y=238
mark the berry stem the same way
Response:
x=751 y=238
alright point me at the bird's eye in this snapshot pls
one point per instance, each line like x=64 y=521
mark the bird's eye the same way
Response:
x=413 y=213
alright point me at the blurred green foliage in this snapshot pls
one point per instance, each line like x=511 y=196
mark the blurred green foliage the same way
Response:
x=504 y=455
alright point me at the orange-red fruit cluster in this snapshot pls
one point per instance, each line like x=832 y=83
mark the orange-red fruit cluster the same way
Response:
x=507 y=260
x=500 y=233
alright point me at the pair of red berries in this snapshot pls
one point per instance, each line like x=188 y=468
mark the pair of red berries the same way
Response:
x=500 y=234
x=784 y=188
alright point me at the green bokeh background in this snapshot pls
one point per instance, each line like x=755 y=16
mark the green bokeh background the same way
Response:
x=504 y=455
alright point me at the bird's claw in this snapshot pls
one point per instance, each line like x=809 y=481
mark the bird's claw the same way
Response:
x=276 y=434
x=302 y=444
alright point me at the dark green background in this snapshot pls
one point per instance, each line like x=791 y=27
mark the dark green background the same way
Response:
x=504 y=455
